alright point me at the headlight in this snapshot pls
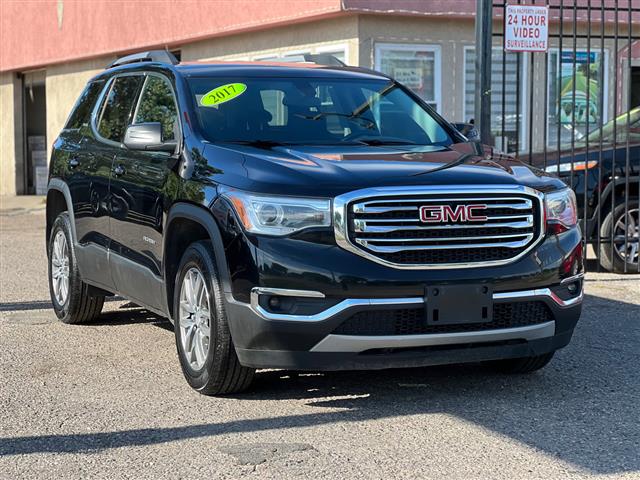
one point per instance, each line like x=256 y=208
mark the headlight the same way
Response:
x=567 y=167
x=275 y=215
x=560 y=210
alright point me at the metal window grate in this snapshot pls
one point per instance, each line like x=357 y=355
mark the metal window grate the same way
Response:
x=575 y=113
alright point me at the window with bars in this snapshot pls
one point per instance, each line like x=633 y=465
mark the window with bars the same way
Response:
x=507 y=141
x=415 y=66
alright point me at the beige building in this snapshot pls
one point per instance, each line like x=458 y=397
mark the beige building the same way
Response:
x=427 y=45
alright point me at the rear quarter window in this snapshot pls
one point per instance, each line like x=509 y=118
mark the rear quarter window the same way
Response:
x=81 y=113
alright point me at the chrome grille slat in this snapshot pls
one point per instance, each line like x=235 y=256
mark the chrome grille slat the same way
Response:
x=436 y=239
x=410 y=199
x=400 y=248
x=417 y=220
x=360 y=226
x=365 y=224
x=366 y=209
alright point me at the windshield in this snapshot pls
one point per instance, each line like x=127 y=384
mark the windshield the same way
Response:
x=622 y=132
x=312 y=111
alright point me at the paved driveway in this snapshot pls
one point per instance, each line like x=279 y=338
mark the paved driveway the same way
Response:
x=108 y=400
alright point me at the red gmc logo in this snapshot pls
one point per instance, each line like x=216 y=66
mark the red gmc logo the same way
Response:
x=446 y=213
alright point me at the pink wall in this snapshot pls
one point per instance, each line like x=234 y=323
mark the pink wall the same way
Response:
x=36 y=33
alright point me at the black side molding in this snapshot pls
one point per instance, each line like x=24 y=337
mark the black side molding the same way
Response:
x=62 y=187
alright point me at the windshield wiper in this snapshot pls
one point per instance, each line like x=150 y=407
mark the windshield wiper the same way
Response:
x=356 y=117
x=383 y=141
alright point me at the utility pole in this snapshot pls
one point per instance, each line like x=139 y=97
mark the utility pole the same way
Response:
x=484 y=27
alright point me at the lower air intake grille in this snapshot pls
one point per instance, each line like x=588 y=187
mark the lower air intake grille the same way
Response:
x=411 y=321
x=450 y=256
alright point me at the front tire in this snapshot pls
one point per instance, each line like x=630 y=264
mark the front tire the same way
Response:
x=70 y=296
x=203 y=340
x=524 y=364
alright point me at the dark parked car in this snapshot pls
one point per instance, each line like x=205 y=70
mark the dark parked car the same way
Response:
x=306 y=217
x=609 y=172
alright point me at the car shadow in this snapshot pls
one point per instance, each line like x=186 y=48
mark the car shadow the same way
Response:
x=129 y=314
x=39 y=305
x=582 y=409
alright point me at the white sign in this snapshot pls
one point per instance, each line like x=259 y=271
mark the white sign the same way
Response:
x=409 y=77
x=526 y=28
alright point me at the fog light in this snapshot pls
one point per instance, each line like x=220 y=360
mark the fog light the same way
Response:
x=572 y=288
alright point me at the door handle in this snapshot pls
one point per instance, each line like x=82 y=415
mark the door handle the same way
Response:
x=118 y=170
x=73 y=162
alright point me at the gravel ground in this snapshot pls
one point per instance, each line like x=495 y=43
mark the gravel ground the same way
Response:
x=108 y=400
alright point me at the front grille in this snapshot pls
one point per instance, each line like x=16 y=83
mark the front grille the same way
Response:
x=412 y=321
x=388 y=227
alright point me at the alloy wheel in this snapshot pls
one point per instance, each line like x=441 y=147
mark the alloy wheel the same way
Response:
x=60 y=268
x=627 y=228
x=195 y=318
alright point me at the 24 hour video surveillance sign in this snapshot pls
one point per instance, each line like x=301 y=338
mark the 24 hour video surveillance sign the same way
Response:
x=526 y=28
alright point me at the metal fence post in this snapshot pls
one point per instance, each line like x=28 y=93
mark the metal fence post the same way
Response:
x=484 y=29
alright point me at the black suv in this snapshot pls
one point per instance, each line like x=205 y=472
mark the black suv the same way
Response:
x=603 y=168
x=307 y=217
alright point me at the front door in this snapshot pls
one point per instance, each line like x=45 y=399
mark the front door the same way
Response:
x=140 y=184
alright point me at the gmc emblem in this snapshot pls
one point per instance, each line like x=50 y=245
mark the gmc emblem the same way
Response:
x=446 y=213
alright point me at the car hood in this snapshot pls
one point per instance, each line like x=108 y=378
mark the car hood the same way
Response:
x=332 y=170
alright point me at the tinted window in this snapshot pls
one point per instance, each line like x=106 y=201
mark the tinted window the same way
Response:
x=84 y=106
x=118 y=106
x=622 y=132
x=157 y=104
x=313 y=111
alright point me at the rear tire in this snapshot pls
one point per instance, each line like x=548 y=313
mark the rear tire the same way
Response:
x=523 y=365
x=203 y=340
x=615 y=221
x=70 y=296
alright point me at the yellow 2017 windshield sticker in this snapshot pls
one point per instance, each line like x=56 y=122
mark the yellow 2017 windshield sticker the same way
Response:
x=222 y=94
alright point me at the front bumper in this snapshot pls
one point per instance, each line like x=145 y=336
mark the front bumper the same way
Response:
x=308 y=342
x=339 y=285
x=418 y=357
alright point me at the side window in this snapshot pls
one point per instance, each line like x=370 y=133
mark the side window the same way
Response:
x=118 y=106
x=157 y=104
x=81 y=114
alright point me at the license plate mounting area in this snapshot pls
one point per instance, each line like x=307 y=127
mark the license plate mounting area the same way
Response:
x=458 y=304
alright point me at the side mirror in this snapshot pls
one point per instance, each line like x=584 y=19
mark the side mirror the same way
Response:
x=468 y=130
x=147 y=136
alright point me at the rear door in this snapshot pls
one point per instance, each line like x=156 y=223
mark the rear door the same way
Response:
x=140 y=185
x=88 y=181
x=100 y=144
x=80 y=165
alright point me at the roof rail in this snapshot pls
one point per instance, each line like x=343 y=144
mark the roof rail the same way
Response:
x=324 y=59
x=160 y=56
x=319 y=58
